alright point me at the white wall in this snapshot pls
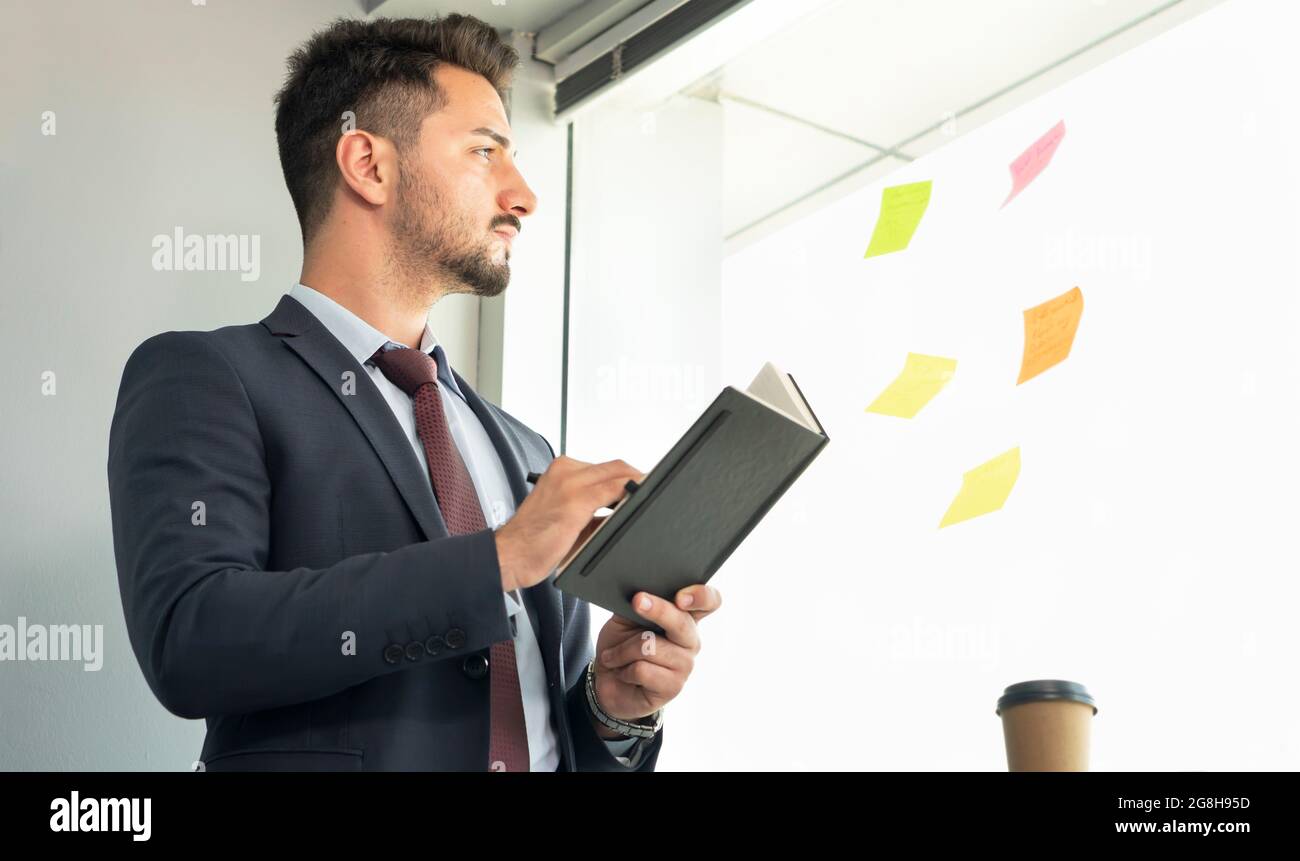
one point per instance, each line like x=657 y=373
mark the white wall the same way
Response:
x=163 y=117
x=1148 y=548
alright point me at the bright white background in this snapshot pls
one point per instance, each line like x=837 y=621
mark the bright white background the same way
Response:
x=1148 y=547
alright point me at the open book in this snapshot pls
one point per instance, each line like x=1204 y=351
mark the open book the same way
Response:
x=700 y=501
x=778 y=390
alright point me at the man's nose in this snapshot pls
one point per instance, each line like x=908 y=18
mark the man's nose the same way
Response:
x=517 y=197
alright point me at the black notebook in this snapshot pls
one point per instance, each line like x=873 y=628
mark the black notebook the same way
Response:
x=700 y=501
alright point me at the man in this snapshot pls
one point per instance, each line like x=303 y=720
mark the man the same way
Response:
x=325 y=541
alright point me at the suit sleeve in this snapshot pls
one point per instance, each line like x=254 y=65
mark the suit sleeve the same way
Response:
x=214 y=631
x=590 y=749
x=625 y=750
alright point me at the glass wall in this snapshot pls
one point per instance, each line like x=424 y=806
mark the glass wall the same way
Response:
x=1144 y=547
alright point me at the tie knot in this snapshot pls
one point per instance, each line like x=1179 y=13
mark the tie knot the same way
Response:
x=406 y=368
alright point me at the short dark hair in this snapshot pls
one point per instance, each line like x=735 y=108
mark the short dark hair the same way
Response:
x=382 y=70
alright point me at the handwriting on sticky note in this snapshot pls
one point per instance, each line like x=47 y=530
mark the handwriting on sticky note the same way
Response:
x=985 y=488
x=921 y=379
x=1032 y=161
x=1049 y=333
x=901 y=208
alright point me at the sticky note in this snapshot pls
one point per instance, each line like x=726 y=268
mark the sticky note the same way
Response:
x=922 y=378
x=901 y=208
x=1032 y=161
x=985 y=488
x=1049 y=333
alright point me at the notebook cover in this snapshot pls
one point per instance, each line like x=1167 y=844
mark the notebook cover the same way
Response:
x=695 y=507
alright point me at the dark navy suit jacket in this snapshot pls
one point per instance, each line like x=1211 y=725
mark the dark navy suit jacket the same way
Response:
x=262 y=515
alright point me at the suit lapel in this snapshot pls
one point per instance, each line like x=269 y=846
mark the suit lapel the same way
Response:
x=301 y=332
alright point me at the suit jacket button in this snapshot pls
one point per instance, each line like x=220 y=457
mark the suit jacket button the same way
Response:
x=434 y=645
x=393 y=653
x=474 y=666
x=414 y=650
x=455 y=638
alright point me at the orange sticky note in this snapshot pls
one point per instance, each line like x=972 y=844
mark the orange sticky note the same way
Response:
x=1032 y=161
x=1049 y=333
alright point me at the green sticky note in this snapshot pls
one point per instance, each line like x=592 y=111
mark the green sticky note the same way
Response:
x=901 y=208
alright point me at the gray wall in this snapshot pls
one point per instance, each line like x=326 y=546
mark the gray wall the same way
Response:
x=163 y=118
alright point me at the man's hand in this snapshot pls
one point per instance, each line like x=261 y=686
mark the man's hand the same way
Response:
x=557 y=516
x=636 y=672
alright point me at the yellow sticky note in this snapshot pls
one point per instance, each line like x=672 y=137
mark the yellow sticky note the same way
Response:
x=901 y=208
x=921 y=379
x=1049 y=333
x=985 y=488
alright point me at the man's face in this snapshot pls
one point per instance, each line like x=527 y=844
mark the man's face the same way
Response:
x=458 y=189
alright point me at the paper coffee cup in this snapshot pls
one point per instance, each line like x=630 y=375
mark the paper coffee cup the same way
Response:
x=1046 y=725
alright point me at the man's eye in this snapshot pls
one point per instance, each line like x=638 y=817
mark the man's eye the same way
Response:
x=484 y=149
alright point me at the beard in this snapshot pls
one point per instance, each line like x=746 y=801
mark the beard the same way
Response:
x=438 y=251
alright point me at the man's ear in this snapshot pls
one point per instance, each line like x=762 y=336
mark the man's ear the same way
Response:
x=368 y=165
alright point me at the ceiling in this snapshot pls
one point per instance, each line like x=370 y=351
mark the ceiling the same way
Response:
x=860 y=87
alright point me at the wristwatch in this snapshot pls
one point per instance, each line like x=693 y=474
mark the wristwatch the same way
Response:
x=645 y=727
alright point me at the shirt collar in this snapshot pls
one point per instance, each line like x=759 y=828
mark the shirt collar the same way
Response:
x=363 y=340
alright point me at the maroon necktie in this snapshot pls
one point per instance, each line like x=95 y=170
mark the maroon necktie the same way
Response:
x=416 y=373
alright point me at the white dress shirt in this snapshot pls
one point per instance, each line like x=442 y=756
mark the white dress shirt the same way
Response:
x=484 y=464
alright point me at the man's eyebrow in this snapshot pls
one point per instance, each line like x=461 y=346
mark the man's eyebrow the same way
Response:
x=492 y=133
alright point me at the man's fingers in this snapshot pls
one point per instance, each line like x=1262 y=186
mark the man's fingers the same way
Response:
x=606 y=493
x=657 y=681
x=612 y=475
x=620 y=469
x=699 y=600
x=679 y=625
x=594 y=486
x=647 y=647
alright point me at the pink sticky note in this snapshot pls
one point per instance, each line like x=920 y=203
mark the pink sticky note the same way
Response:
x=1033 y=160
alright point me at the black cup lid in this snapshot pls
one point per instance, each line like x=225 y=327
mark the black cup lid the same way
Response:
x=1045 y=689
